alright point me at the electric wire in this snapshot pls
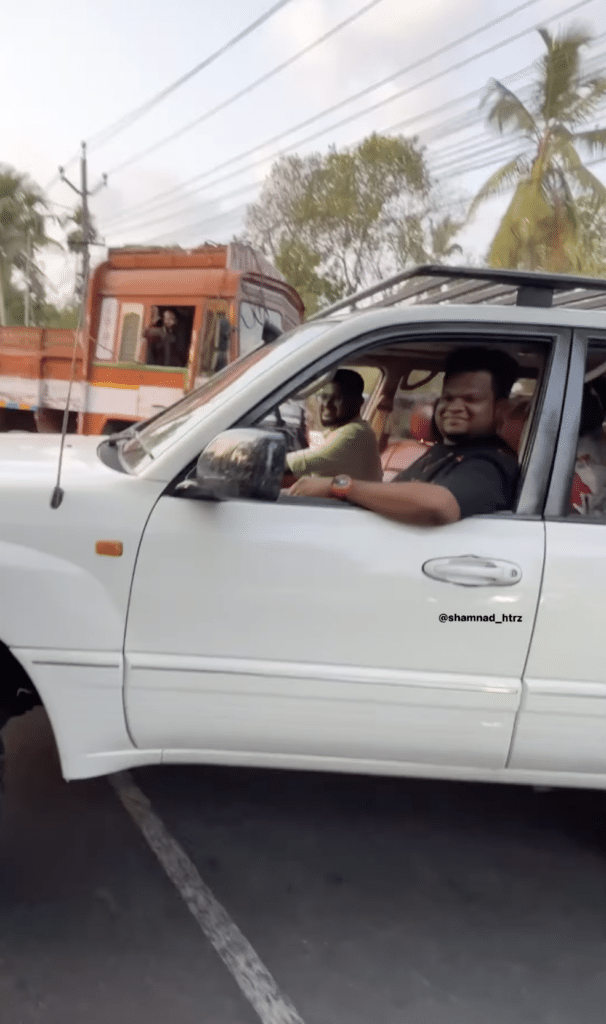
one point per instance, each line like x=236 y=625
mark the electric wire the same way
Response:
x=268 y=142
x=134 y=115
x=245 y=91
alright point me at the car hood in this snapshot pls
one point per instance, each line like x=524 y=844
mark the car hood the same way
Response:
x=34 y=458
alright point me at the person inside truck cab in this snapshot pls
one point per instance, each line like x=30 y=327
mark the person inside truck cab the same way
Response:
x=349 y=443
x=471 y=470
x=166 y=341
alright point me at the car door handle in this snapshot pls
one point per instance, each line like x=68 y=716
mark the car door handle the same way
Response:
x=473 y=571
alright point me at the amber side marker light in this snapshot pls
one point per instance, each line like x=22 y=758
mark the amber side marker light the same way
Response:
x=113 y=548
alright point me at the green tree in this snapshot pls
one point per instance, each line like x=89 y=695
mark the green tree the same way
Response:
x=540 y=228
x=337 y=222
x=591 y=246
x=75 y=242
x=22 y=234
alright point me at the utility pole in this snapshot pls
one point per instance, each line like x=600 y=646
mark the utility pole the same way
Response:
x=84 y=194
x=28 y=277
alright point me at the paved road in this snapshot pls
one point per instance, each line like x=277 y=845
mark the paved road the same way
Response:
x=370 y=901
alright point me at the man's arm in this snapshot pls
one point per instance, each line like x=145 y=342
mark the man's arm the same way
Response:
x=326 y=460
x=419 y=504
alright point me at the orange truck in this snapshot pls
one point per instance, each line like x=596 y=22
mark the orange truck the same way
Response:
x=223 y=300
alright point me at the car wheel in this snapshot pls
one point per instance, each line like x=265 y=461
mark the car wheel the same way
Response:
x=1 y=777
x=3 y=720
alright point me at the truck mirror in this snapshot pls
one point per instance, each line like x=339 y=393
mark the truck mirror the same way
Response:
x=221 y=356
x=224 y=334
x=240 y=463
x=270 y=332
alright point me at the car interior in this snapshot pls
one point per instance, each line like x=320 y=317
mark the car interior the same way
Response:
x=402 y=384
x=588 y=492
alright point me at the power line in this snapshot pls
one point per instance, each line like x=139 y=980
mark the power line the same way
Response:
x=443 y=128
x=501 y=151
x=176 y=213
x=246 y=90
x=477 y=145
x=134 y=115
x=235 y=214
x=390 y=78
x=469 y=150
x=454 y=172
x=188 y=228
x=432 y=78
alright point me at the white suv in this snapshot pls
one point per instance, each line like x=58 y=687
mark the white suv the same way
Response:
x=172 y=608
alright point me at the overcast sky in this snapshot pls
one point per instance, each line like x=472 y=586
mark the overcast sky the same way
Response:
x=71 y=69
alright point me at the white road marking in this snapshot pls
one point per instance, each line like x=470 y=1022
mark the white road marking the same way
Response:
x=236 y=952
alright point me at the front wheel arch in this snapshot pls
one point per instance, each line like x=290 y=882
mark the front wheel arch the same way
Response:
x=17 y=692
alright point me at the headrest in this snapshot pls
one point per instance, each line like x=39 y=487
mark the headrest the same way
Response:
x=513 y=425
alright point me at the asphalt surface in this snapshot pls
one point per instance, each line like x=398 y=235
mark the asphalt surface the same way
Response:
x=370 y=901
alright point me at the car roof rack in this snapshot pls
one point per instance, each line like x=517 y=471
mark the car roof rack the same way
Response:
x=432 y=284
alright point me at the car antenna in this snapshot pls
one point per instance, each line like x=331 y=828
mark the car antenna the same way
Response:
x=57 y=495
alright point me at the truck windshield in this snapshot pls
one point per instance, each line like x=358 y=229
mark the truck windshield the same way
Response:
x=155 y=435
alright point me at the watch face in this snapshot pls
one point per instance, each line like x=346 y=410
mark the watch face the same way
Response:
x=341 y=482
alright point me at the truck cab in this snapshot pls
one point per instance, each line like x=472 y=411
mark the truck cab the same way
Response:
x=222 y=301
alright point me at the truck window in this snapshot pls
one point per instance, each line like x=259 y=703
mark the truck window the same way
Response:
x=108 y=321
x=213 y=339
x=130 y=331
x=252 y=318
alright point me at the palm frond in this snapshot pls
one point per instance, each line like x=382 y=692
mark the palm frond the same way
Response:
x=595 y=140
x=558 y=86
x=589 y=183
x=500 y=181
x=589 y=96
x=508 y=111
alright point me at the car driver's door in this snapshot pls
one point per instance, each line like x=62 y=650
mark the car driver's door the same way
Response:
x=318 y=633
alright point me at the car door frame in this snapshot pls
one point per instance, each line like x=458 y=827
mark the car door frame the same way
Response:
x=560 y=728
x=540 y=448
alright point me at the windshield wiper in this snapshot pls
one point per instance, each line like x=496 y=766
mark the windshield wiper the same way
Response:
x=134 y=437
x=122 y=435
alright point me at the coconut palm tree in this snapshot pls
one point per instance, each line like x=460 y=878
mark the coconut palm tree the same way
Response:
x=22 y=231
x=540 y=229
x=75 y=242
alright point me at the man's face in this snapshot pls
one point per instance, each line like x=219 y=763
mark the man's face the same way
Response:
x=336 y=408
x=169 y=318
x=467 y=406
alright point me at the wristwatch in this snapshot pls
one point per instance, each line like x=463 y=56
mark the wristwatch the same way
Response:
x=341 y=486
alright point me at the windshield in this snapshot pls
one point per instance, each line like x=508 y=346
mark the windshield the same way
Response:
x=158 y=433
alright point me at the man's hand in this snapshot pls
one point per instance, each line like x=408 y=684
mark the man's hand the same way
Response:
x=312 y=487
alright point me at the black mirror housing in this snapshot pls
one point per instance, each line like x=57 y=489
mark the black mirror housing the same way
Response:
x=241 y=463
x=270 y=332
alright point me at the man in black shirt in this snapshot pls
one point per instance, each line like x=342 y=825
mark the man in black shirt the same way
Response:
x=470 y=471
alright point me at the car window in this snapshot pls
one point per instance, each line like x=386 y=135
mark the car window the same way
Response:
x=298 y=416
x=588 y=490
x=405 y=380
x=154 y=436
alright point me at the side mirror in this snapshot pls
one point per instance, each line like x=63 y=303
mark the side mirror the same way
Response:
x=241 y=463
x=270 y=332
x=224 y=334
x=221 y=357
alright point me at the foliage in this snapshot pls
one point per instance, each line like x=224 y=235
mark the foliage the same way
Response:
x=59 y=316
x=298 y=263
x=337 y=222
x=22 y=234
x=592 y=238
x=541 y=228
x=76 y=240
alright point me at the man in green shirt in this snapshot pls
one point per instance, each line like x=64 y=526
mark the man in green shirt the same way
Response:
x=349 y=444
